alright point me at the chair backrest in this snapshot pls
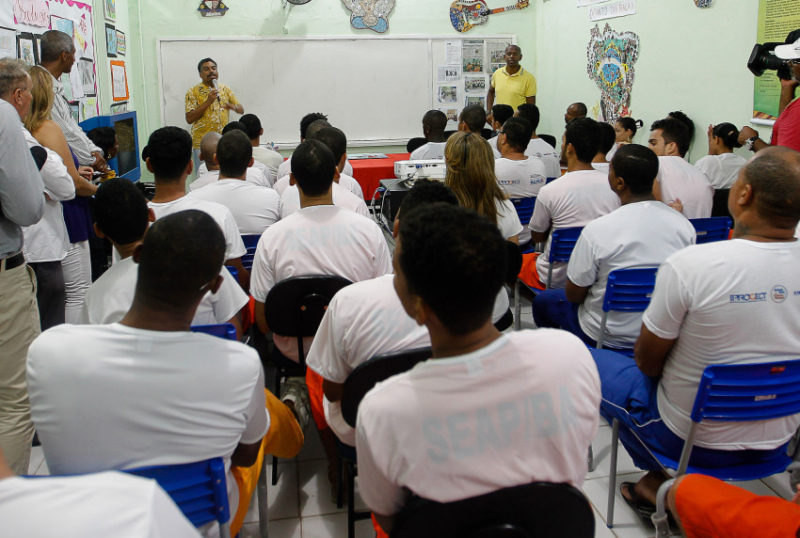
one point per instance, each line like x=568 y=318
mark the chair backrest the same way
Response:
x=295 y=306
x=221 y=330
x=378 y=368
x=250 y=243
x=199 y=489
x=746 y=392
x=233 y=271
x=711 y=229
x=524 y=207
x=562 y=243
x=540 y=509
x=629 y=290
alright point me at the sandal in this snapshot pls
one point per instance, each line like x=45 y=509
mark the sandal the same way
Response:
x=640 y=505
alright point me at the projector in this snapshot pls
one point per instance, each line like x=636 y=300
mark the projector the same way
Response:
x=422 y=169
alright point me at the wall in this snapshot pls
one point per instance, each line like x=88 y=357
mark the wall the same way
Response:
x=690 y=59
x=103 y=68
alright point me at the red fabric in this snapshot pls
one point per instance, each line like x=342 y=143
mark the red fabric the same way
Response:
x=315 y=394
x=248 y=314
x=378 y=530
x=708 y=508
x=786 y=131
x=528 y=273
x=369 y=172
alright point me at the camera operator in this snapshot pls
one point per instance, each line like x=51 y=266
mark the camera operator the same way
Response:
x=786 y=131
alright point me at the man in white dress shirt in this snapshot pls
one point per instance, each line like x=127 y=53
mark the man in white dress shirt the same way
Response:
x=434 y=123
x=488 y=411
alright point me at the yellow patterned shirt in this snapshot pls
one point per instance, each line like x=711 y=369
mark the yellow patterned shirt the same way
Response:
x=215 y=117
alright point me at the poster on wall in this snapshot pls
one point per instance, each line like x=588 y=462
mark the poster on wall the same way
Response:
x=8 y=43
x=369 y=14
x=776 y=18
x=472 y=56
x=111 y=10
x=119 y=81
x=111 y=40
x=610 y=59
x=121 y=45
x=31 y=13
x=26 y=48
x=86 y=69
x=613 y=10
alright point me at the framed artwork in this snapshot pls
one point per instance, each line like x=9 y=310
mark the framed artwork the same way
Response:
x=119 y=108
x=119 y=81
x=111 y=40
x=26 y=48
x=111 y=10
x=75 y=110
x=121 y=47
x=8 y=43
x=86 y=70
x=63 y=25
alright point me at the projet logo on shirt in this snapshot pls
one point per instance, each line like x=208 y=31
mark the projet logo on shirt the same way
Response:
x=749 y=297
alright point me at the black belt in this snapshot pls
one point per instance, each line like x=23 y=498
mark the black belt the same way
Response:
x=12 y=262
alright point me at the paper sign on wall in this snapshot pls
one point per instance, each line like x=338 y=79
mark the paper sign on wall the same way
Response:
x=32 y=13
x=610 y=11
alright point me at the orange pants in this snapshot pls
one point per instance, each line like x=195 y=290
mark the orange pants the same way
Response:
x=315 y=395
x=528 y=273
x=283 y=439
x=708 y=508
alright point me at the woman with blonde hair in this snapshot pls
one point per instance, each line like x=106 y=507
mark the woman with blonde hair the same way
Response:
x=77 y=263
x=470 y=175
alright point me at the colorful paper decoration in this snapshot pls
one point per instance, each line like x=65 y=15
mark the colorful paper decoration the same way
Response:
x=610 y=57
x=370 y=14
x=212 y=8
x=702 y=3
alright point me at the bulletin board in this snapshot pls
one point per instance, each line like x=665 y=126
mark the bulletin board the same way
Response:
x=22 y=22
x=376 y=89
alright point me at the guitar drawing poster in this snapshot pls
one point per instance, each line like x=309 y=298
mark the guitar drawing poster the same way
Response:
x=369 y=14
x=610 y=63
x=466 y=14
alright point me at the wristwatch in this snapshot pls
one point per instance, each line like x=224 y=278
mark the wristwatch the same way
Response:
x=749 y=142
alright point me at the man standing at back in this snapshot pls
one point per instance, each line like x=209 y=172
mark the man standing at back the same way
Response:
x=512 y=84
x=207 y=103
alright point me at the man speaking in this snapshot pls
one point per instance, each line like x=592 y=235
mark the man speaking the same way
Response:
x=511 y=85
x=208 y=103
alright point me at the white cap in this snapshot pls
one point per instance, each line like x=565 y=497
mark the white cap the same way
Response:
x=788 y=52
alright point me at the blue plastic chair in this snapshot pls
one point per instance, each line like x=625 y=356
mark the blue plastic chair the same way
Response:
x=562 y=243
x=730 y=393
x=627 y=290
x=199 y=489
x=221 y=330
x=250 y=243
x=524 y=207
x=712 y=229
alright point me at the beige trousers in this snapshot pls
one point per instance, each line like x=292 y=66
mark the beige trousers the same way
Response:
x=19 y=325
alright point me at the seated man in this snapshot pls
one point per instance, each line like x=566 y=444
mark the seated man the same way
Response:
x=121 y=215
x=641 y=233
x=286 y=166
x=472 y=119
x=346 y=191
x=575 y=199
x=679 y=184
x=101 y=504
x=500 y=114
x=489 y=410
x=608 y=137
x=718 y=303
x=208 y=172
x=147 y=391
x=168 y=156
x=434 y=123
x=575 y=111
x=254 y=208
x=366 y=319
x=269 y=158
x=537 y=147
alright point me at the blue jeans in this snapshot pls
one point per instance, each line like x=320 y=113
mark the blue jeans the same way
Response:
x=630 y=396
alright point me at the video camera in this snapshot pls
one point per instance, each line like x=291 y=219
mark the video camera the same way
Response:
x=763 y=58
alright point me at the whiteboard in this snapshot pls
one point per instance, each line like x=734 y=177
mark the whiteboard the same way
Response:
x=375 y=89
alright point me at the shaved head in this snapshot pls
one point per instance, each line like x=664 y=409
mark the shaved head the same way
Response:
x=774 y=175
x=208 y=145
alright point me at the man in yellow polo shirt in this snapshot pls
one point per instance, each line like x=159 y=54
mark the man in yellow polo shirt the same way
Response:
x=208 y=103
x=511 y=85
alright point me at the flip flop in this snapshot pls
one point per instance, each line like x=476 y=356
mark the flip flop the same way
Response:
x=640 y=505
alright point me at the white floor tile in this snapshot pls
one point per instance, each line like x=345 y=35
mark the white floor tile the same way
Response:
x=600 y=529
x=37 y=457
x=283 y=496
x=334 y=526
x=312 y=446
x=626 y=521
x=316 y=497
x=601 y=445
x=285 y=528
x=43 y=470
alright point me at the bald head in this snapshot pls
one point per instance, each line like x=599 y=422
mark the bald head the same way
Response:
x=774 y=176
x=208 y=145
x=575 y=111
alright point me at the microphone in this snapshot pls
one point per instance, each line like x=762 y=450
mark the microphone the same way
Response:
x=214 y=83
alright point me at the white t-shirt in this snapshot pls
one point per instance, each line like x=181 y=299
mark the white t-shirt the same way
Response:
x=520 y=179
x=727 y=302
x=547 y=153
x=574 y=200
x=507 y=219
x=458 y=427
x=110 y=297
x=47 y=240
x=290 y=200
x=722 y=170
x=350 y=183
x=113 y=397
x=640 y=234
x=430 y=150
x=204 y=178
x=254 y=208
x=92 y=506
x=286 y=168
x=680 y=180
x=317 y=240
x=234 y=246
x=269 y=158
x=602 y=167
x=281 y=184
x=363 y=320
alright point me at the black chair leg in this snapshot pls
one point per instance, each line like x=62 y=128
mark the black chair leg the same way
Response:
x=351 y=501
x=340 y=472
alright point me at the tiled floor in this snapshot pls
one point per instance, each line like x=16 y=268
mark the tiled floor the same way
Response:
x=301 y=504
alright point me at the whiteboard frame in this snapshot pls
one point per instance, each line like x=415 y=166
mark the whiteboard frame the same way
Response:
x=512 y=38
